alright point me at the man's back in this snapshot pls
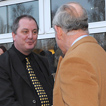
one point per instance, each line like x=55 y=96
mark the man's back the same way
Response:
x=81 y=77
x=95 y=57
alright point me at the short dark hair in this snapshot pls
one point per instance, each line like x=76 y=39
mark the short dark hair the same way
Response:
x=3 y=48
x=16 y=22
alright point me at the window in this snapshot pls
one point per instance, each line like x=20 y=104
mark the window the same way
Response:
x=14 y=8
x=101 y=38
x=95 y=9
x=43 y=11
x=10 y=12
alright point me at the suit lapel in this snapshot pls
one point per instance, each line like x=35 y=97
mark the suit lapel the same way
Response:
x=43 y=69
x=18 y=66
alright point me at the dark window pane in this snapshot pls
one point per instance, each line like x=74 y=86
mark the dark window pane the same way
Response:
x=3 y=20
x=95 y=8
x=10 y=12
x=101 y=38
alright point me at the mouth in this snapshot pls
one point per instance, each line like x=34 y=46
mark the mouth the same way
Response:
x=30 y=42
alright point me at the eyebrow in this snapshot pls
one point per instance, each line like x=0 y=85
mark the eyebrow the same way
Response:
x=27 y=29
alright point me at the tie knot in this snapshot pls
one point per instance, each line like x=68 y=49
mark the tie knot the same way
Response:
x=27 y=59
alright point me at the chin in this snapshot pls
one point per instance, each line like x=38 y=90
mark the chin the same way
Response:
x=30 y=47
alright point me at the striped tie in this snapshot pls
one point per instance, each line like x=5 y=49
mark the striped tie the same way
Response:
x=38 y=87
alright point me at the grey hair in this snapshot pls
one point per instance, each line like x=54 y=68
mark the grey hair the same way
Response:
x=67 y=19
x=15 y=25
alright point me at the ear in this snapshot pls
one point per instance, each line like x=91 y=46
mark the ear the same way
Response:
x=58 y=32
x=13 y=36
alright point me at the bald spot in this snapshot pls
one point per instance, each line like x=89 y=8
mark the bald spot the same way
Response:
x=77 y=9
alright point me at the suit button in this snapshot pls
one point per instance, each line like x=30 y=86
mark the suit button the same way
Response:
x=34 y=101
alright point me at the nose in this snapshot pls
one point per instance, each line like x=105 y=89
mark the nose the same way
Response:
x=30 y=36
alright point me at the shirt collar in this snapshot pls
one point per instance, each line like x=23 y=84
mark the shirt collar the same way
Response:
x=21 y=56
x=78 y=39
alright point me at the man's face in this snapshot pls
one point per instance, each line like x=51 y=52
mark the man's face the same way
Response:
x=1 y=51
x=25 y=38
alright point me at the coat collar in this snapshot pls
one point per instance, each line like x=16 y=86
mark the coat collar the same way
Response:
x=89 y=39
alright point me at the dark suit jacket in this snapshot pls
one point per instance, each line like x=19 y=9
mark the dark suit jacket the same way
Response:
x=15 y=87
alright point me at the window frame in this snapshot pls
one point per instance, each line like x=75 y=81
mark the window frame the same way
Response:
x=7 y=37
